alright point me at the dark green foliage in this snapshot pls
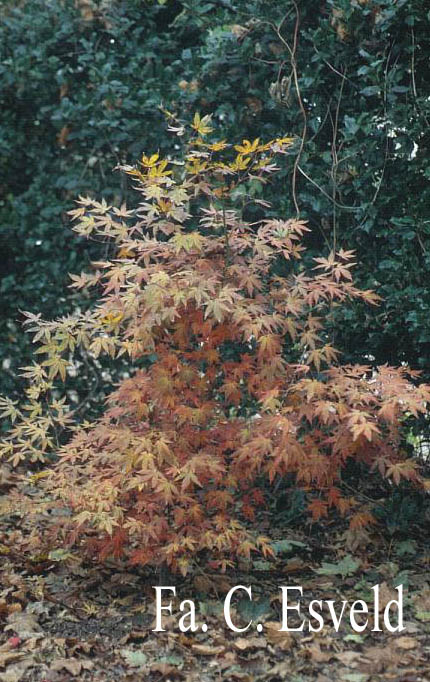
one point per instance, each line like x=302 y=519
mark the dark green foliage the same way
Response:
x=81 y=89
x=77 y=98
x=402 y=511
x=290 y=505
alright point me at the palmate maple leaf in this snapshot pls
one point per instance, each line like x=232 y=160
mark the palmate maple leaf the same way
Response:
x=318 y=509
x=389 y=410
x=270 y=401
x=201 y=125
x=361 y=424
x=407 y=470
x=326 y=411
x=269 y=345
x=219 y=499
x=222 y=305
x=232 y=392
x=246 y=279
x=245 y=548
x=337 y=269
x=362 y=519
x=247 y=147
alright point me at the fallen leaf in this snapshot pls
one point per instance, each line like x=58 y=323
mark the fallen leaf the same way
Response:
x=386 y=594
x=354 y=637
x=348 y=658
x=7 y=656
x=73 y=665
x=294 y=565
x=422 y=600
x=347 y=566
x=273 y=633
x=62 y=136
x=406 y=643
x=223 y=584
x=240 y=675
x=285 y=546
x=24 y=624
x=133 y=635
x=253 y=610
x=243 y=643
x=15 y=672
x=134 y=659
x=13 y=608
x=166 y=670
x=354 y=677
x=318 y=655
x=205 y=650
x=382 y=657
x=203 y=584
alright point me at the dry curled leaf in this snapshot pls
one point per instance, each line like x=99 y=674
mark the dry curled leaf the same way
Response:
x=207 y=650
x=246 y=643
x=274 y=635
x=73 y=665
x=24 y=624
x=406 y=643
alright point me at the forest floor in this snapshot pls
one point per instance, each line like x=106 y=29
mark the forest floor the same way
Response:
x=69 y=619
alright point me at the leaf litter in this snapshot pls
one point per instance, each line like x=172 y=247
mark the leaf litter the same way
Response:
x=66 y=619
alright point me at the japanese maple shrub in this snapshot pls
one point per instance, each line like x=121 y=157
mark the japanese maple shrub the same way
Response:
x=212 y=412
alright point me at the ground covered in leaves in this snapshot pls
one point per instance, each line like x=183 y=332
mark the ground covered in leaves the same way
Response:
x=65 y=619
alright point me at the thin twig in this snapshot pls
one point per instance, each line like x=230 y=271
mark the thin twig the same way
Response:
x=292 y=52
x=335 y=163
x=322 y=190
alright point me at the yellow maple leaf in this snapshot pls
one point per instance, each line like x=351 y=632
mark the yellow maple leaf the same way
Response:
x=284 y=140
x=240 y=163
x=217 y=146
x=247 y=147
x=158 y=170
x=195 y=166
x=200 y=125
x=149 y=161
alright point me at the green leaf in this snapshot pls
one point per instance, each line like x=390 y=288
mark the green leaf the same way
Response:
x=285 y=546
x=355 y=677
x=252 y=610
x=60 y=555
x=371 y=90
x=405 y=547
x=424 y=616
x=358 y=639
x=134 y=659
x=351 y=125
x=347 y=566
x=261 y=565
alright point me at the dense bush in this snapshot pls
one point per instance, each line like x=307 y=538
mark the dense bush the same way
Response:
x=235 y=383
